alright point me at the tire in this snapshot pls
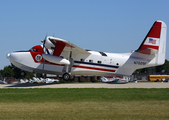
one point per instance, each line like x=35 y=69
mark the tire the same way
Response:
x=66 y=76
x=157 y=80
x=23 y=73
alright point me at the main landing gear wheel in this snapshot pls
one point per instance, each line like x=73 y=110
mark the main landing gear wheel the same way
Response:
x=66 y=76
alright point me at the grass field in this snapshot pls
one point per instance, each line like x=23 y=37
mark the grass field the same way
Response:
x=84 y=104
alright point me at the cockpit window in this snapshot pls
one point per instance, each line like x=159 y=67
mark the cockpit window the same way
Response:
x=33 y=50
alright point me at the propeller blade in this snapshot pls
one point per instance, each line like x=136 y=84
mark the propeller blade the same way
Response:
x=43 y=41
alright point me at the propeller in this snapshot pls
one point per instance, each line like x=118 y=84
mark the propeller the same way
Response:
x=44 y=41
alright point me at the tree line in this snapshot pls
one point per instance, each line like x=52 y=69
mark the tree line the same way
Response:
x=12 y=71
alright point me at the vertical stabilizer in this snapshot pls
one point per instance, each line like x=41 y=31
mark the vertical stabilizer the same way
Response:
x=155 y=42
x=151 y=51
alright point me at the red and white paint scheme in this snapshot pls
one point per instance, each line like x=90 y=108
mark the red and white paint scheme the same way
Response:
x=60 y=57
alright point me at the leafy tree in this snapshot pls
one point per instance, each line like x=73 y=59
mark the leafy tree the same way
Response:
x=1 y=73
x=166 y=66
x=17 y=71
x=28 y=75
x=8 y=72
x=12 y=71
x=39 y=75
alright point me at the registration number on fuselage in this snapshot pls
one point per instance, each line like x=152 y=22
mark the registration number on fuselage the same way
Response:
x=140 y=63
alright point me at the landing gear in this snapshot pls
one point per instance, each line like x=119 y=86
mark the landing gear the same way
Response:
x=67 y=69
x=66 y=76
x=23 y=73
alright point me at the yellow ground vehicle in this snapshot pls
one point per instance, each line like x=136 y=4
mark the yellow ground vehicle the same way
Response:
x=158 y=77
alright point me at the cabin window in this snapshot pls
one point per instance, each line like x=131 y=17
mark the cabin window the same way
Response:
x=82 y=60
x=99 y=62
x=103 y=54
x=91 y=61
x=33 y=50
x=117 y=63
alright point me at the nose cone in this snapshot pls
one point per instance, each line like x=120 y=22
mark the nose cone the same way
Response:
x=8 y=55
x=20 y=60
x=15 y=56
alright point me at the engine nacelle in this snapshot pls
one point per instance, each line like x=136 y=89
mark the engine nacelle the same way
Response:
x=49 y=44
x=55 y=59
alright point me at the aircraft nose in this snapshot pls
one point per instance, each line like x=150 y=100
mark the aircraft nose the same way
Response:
x=8 y=55
x=16 y=56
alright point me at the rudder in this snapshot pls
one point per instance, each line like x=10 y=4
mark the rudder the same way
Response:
x=155 y=42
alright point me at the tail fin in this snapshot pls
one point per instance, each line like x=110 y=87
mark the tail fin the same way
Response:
x=155 y=42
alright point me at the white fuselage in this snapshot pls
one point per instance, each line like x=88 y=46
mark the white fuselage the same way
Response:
x=95 y=63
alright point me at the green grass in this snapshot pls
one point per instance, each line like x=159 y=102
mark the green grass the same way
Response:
x=84 y=104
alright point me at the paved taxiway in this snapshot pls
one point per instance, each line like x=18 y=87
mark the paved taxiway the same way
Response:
x=89 y=85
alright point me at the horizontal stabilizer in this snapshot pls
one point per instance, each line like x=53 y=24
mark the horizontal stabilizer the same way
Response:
x=148 y=51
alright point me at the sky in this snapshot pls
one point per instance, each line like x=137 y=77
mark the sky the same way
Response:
x=117 y=26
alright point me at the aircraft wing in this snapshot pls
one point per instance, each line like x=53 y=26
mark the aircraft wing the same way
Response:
x=60 y=45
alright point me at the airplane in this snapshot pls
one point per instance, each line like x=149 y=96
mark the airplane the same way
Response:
x=61 y=57
x=115 y=79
